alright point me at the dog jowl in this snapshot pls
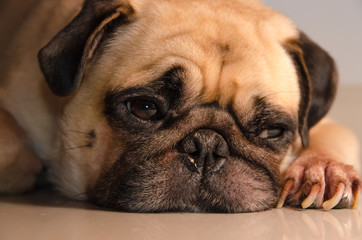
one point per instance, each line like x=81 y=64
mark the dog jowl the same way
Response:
x=206 y=106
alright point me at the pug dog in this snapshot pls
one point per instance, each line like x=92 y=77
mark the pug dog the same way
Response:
x=168 y=105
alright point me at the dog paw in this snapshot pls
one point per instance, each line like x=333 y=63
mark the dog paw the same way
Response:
x=20 y=174
x=319 y=181
x=19 y=165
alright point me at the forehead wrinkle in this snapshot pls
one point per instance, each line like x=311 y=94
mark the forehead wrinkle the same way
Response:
x=186 y=40
x=244 y=104
x=204 y=56
x=259 y=71
x=206 y=35
x=262 y=108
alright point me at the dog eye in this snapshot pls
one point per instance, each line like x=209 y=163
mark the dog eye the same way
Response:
x=143 y=109
x=271 y=133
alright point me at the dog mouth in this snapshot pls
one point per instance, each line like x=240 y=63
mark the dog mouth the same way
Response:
x=202 y=174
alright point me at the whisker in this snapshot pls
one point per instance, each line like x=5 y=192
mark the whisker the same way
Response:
x=71 y=148
x=80 y=132
x=82 y=146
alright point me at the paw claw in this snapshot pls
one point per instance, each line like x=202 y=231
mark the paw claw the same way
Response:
x=286 y=190
x=331 y=203
x=312 y=196
x=321 y=181
x=356 y=198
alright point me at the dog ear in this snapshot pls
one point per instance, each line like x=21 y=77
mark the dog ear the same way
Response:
x=318 y=82
x=63 y=60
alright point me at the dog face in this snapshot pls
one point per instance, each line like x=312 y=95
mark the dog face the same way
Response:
x=181 y=105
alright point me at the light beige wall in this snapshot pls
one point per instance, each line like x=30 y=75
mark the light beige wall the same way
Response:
x=334 y=24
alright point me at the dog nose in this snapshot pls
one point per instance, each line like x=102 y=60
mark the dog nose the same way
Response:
x=206 y=149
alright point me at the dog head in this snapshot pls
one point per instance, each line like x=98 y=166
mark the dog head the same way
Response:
x=182 y=105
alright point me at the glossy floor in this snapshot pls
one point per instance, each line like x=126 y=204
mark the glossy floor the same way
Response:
x=43 y=215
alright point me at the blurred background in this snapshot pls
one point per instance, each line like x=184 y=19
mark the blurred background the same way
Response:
x=334 y=24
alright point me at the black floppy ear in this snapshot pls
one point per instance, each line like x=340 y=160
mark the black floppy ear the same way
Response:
x=318 y=82
x=63 y=60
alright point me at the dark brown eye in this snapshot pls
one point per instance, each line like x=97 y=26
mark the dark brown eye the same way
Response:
x=143 y=109
x=271 y=133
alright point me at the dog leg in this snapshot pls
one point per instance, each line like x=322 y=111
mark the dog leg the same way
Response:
x=322 y=176
x=18 y=164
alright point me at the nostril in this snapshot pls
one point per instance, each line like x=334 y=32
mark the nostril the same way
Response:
x=188 y=145
x=221 y=149
x=194 y=155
